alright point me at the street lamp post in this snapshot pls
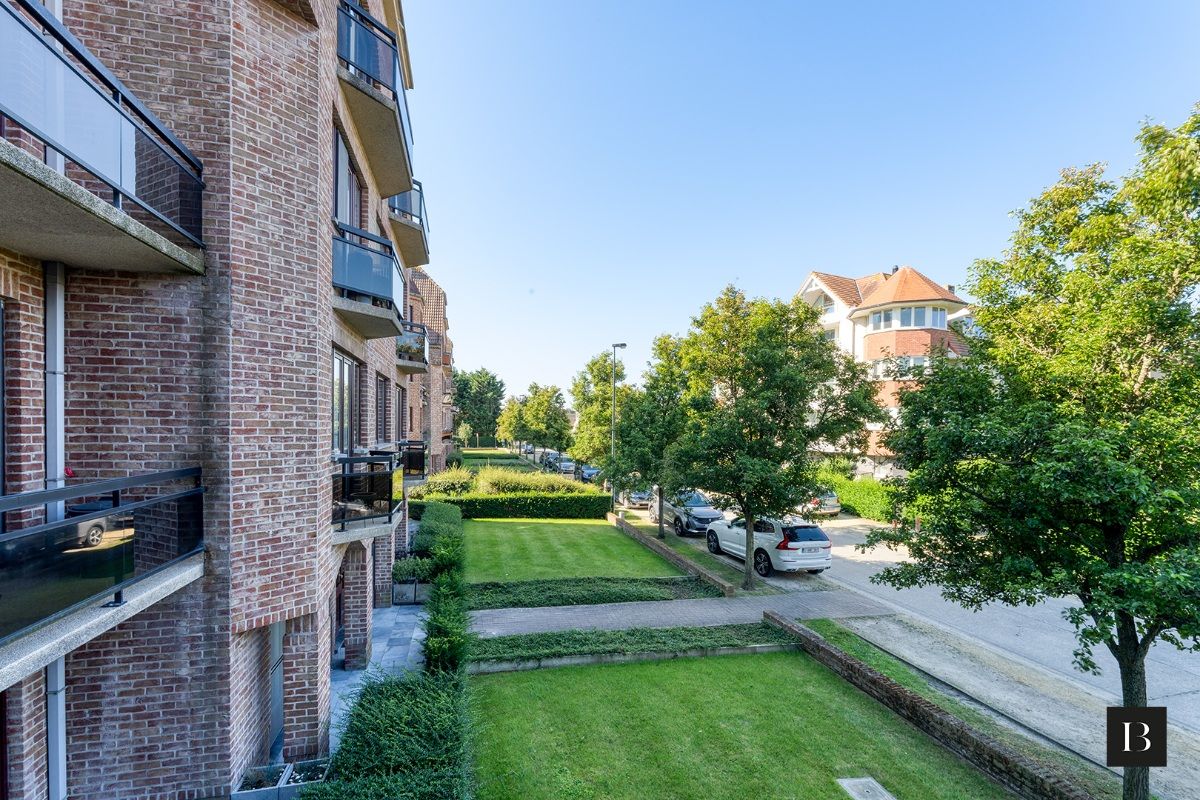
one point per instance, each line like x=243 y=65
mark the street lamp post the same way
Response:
x=613 y=429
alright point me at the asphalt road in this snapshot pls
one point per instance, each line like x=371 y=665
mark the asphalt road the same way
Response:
x=1038 y=634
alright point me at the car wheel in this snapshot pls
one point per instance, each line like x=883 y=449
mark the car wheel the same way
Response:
x=714 y=544
x=762 y=563
x=94 y=537
x=678 y=527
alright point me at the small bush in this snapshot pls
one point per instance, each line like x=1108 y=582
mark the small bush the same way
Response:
x=448 y=553
x=442 y=512
x=422 y=543
x=585 y=591
x=498 y=480
x=451 y=482
x=454 y=458
x=446 y=624
x=534 y=505
x=406 y=569
x=864 y=497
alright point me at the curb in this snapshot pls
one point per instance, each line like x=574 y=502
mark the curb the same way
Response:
x=488 y=667
x=685 y=564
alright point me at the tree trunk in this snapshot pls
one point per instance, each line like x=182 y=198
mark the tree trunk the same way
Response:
x=1131 y=661
x=661 y=533
x=748 y=577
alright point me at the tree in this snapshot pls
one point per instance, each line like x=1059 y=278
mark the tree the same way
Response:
x=1061 y=457
x=511 y=423
x=479 y=395
x=764 y=389
x=593 y=395
x=652 y=420
x=545 y=413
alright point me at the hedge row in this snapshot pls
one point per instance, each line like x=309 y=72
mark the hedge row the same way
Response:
x=484 y=480
x=862 y=497
x=406 y=738
x=527 y=505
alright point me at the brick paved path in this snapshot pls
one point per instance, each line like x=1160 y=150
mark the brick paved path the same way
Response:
x=674 y=613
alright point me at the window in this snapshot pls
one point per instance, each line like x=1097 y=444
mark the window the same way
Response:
x=381 y=409
x=939 y=317
x=906 y=316
x=347 y=186
x=345 y=402
x=826 y=304
x=401 y=413
x=762 y=526
x=919 y=317
x=887 y=318
x=876 y=320
x=830 y=335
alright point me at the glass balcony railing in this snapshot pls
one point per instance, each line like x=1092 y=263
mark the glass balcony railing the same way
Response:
x=368 y=49
x=54 y=89
x=115 y=533
x=363 y=489
x=365 y=266
x=410 y=206
x=412 y=345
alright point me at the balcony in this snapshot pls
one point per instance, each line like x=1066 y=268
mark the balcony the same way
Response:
x=88 y=175
x=413 y=456
x=117 y=533
x=412 y=349
x=410 y=226
x=363 y=495
x=369 y=70
x=369 y=282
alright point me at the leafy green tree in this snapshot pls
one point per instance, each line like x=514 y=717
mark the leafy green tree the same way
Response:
x=1061 y=458
x=511 y=423
x=593 y=395
x=765 y=389
x=651 y=421
x=479 y=395
x=545 y=413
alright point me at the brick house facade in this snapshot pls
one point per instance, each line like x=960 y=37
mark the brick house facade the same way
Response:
x=146 y=340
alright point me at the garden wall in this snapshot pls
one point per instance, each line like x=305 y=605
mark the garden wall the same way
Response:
x=685 y=564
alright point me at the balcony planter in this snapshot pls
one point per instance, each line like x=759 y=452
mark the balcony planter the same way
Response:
x=301 y=774
x=409 y=592
x=262 y=783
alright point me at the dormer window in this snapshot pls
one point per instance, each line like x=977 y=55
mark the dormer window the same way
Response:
x=826 y=304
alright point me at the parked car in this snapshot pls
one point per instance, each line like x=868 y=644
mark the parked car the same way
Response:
x=527 y=449
x=588 y=473
x=792 y=544
x=66 y=536
x=826 y=503
x=688 y=512
x=565 y=465
x=637 y=498
x=547 y=456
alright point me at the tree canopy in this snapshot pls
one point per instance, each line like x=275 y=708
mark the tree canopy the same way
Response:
x=545 y=415
x=479 y=395
x=1061 y=457
x=593 y=396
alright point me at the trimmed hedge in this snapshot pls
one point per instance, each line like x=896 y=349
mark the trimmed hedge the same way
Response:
x=529 y=505
x=862 y=497
x=406 y=738
x=446 y=623
x=585 y=591
x=406 y=569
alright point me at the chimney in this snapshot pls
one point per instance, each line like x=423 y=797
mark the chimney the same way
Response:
x=895 y=268
x=950 y=288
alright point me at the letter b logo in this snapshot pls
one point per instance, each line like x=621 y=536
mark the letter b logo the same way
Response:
x=1137 y=737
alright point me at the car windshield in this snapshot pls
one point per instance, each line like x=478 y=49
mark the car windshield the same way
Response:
x=693 y=500
x=804 y=533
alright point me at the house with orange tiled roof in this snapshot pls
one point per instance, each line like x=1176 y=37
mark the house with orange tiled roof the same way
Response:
x=882 y=319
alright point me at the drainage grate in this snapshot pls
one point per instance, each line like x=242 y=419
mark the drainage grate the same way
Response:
x=864 y=789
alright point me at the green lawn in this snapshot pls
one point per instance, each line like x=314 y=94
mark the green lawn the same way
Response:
x=477 y=457
x=728 y=727
x=530 y=549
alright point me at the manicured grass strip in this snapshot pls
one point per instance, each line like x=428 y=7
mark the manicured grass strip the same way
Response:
x=700 y=556
x=728 y=728
x=507 y=550
x=632 y=640
x=1100 y=783
x=585 y=591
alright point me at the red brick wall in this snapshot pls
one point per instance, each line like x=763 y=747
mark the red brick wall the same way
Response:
x=915 y=342
x=21 y=288
x=25 y=720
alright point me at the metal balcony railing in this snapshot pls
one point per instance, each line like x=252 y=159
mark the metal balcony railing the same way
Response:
x=413 y=455
x=410 y=206
x=115 y=533
x=368 y=49
x=413 y=345
x=52 y=87
x=365 y=264
x=363 y=490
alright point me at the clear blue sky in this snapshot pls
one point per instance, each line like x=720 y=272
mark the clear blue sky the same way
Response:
x=596 y=171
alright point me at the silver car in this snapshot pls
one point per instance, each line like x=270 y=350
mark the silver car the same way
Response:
x=688 y=513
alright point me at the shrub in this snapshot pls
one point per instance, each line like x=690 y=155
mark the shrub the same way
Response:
x=446 y=623
x=442 y=512
x=585 y=591
x=498 y=480
x=864 y=497
x=422 y=543
x=406 y=738
x=454 y=458
x=534 y=505
x=406 y=569
x=451 y=481
x=447 y=553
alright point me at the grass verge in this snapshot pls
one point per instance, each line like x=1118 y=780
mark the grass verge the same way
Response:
x=585 y=591
x=767 y=725
x=696 y=555
x=1098 y=782
x=631 y=640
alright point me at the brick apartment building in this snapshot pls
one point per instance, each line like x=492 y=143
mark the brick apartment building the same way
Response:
x=439 y=421
x=214 y=372
x=886 y=320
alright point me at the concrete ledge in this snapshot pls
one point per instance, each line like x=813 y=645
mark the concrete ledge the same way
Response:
x=40 y=647
x=485 y=667
x=50 y=217
x=1001 y=763
x=369 y=321
x=361 y=533
x=377 y=120
x=685 y=564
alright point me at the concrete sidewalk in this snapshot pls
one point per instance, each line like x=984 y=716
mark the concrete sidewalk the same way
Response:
x=674 y=613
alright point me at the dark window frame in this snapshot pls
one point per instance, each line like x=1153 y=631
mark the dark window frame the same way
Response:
x=344 y=416
x=382 y=390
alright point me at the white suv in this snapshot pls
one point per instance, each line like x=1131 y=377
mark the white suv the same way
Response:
x=788 y=545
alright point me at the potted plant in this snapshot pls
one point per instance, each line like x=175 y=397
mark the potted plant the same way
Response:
x=303 y=773
x=262 y=783
x=412 y=579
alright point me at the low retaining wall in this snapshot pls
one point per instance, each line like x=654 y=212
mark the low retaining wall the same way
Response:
x=483 y=667
x=1008 y=767
x=685 y=564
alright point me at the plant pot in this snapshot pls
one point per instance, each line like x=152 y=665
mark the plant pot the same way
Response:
x=408 y=593
x=262 y=783
x=301 y=774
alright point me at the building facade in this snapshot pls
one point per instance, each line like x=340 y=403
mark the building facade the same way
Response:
x=439 y=419
x=890 y=321
x=209 y=226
